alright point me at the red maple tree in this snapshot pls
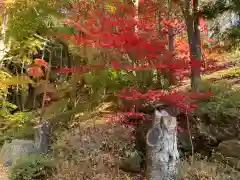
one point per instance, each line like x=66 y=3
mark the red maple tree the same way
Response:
x=141 y=38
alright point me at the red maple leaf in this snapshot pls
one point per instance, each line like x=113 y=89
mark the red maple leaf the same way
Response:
x=41 y=62
x=35 y=71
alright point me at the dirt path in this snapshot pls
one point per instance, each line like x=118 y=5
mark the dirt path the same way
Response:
x=3 y=173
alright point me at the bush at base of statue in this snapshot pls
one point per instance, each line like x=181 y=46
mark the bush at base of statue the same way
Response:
x=32 y=167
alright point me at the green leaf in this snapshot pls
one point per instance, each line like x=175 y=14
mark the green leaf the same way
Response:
x=66 y=30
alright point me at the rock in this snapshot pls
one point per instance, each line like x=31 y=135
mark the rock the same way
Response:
x=230 y=148
x=222 y=133
x=233 y=162
x=131 y=164
x=11 y=152
x=217 y=157
x=219 y=129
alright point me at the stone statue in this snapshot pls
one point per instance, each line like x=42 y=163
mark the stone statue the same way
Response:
x=162 y=152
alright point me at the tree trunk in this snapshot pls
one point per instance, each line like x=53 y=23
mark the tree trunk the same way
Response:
x=171 y=76
x=170 y=30
x=162 y=152
x=196 y=71
x=194 y=41
x=3 y=32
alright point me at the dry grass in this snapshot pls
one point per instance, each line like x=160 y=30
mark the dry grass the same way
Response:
x=230 y=75
x=204 y=170
x=226 y=73
x=91 y=149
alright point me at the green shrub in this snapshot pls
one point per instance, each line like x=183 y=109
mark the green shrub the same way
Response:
x=33 y=167
x=16 y=126
x=232 y=35
x=103 y=82
x=224 y=105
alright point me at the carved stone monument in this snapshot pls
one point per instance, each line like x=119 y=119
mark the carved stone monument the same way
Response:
x=162 y=152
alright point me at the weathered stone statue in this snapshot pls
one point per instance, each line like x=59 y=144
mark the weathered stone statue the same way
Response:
x=162 y=152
